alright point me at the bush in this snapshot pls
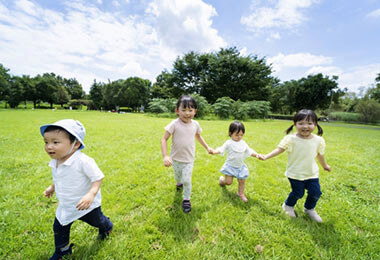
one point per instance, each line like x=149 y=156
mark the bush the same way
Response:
x=369 y=110
x=157 y=105
x=223 y=107
x=344 y=116
x=240 y=110
x=202 y=104
x=258 y=109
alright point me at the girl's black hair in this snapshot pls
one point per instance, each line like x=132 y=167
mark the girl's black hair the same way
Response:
x=236 y=126
x=58 y=128
x=186 y=102
x=305 y=114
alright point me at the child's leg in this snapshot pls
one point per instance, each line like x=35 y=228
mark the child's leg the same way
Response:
x=177 y=167
x=313 y=193
x=187 y=172
x=97 y=219
x=241 y=190
x=298 y=190
x=61 y=239
x=226 y=180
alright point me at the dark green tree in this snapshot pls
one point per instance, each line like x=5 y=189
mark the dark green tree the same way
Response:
x=96 y=95
x=5 y=79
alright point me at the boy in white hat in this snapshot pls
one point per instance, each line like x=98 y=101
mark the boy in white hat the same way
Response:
x=77 y=180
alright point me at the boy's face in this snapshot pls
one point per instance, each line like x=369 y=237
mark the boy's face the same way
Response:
x=186 y=114
x=58 y=145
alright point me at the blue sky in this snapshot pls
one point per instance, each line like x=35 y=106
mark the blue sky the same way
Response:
x=110 y=40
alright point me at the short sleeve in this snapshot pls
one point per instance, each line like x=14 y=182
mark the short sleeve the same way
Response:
x=249 y=151
x=223 y=148
x=170 y=127
x=321 y=147
x=286 y=143
x=91 y=169
x=199 y=129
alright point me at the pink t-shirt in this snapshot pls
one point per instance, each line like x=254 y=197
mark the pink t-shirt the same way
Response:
x=183 y=140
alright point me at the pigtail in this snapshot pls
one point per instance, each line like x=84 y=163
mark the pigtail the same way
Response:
x=290 y=129
x=320 y=130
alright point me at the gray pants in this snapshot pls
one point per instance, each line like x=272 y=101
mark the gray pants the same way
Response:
x=182 y=174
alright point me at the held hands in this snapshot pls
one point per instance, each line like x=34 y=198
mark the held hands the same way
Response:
x=49 y=191
x=210 y=150
x=85 y=202
x=261 y=157
x=167 y=161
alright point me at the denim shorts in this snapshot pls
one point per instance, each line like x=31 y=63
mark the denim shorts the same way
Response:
x=237 y=172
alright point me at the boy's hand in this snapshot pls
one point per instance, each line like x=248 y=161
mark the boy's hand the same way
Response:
x=85 y=202
x=261 y=157
x=167 y=161
x=49 y=191
x=210 y=150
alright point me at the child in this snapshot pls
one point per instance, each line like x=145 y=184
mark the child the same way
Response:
x=302 y=170
x=77 y=181
x=184 y=130
x=237 y=151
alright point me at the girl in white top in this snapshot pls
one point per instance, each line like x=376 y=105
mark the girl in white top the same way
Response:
x=302 y=170
x=184 y=131
x=237 y=151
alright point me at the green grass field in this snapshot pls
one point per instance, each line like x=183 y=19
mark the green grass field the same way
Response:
x=138 y=194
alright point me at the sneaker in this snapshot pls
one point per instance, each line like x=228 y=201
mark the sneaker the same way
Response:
x=289 y=210
x=58 y=253
x=179 y=186
x=186 y=206
x=242 y=197
x=313 y=215
x=221 y=181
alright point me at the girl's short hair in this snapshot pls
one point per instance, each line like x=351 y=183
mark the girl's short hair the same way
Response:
x=53 y=128
x=305 y=114
x=186 y=102
x=236 y=126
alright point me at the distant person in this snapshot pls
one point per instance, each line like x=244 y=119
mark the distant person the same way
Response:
x=237 y=151
x=77 y=180
x=302 y=170
x=184 y=131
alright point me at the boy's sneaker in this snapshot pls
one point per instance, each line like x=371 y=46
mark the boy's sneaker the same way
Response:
x=313 y=215
x=179 y=186
x=221 y=181
x=186 y=206
x=289 y=210
x=58 y=253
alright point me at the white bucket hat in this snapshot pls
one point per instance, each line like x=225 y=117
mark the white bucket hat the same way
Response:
x=74 y=127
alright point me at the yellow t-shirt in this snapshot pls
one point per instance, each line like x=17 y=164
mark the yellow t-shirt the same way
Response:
x=301 y=156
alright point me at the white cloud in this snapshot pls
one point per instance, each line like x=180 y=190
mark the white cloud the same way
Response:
x=186 y=24
x=298 y=60
x=87 y=43
x=361 y=76
x=285 y=14
x=374 y=14
x=325 y=70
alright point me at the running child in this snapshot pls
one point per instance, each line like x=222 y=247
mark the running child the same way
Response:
x=237 y=150
x=302 y=170
x=184 y=131
x=76 y=183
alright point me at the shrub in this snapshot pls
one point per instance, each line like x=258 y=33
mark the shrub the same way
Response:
x=258 y=109
x=240 y=110
x=223 y=107
x=203 y=105
x=157 y=105
x=344 y=116
x=369 y=110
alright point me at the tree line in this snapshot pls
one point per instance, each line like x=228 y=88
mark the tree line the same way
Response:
x=216 y=75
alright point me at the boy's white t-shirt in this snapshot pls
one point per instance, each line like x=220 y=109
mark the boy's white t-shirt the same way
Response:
x=183 y=140
x=236 y=152
x=72 y=180
x=301 y=156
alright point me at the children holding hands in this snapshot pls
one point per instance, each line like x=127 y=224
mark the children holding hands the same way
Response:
x=76 y=182
x=237 y=151
x=302 y=170
x=184 y=130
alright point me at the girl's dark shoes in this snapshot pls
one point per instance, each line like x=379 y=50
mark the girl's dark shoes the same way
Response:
x=58 y=253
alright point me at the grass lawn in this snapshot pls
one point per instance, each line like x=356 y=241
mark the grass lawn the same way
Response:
x=138 y=194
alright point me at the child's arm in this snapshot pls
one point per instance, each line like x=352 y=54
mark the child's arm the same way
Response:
x=322 y=161
x=204 y=144
x=86 y=201
x=49 y=191
x=164 y=149
x=274 y=153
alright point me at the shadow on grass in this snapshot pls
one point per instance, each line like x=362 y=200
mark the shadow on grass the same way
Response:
x=182 y=225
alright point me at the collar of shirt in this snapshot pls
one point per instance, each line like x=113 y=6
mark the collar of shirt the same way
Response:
x=68 y=162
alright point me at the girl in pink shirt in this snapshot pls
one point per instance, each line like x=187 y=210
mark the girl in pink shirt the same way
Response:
x=184 y=131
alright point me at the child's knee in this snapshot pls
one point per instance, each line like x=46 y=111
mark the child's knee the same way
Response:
x=298 y=194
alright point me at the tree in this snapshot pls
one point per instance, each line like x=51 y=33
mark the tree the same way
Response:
x=61 y=95
x=163 y=87
x=223 y=107
x=16 y=92
x=4 y=82
x=215 y=75
x=369 y=110
x=46 y=86
x=73 y=88
x=96 y=95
